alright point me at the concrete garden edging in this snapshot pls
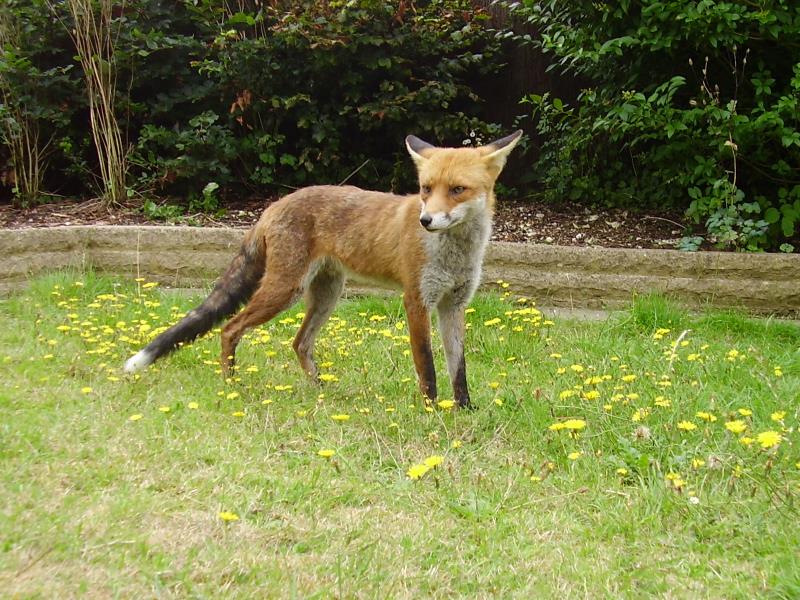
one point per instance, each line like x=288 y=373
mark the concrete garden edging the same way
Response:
x=552 y=275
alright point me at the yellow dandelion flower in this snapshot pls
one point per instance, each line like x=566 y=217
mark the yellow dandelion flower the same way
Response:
x=164 y=409
x=778 y=372
x=745 y=412
x=326 y=453
x=575 y=424
x=494 y=384
x=492 y=322
x=591 y=395
x=576 y=368
x=778 y=415
x=232 y=395
x=228 y=516
x=628 y=378
x=135 y=417
x=574 y=455
x=769 y=439
x=706 y=416
x=340 y=417
x=555 y=355
x=193 y=405
x=746 y=441
x=446 y=404
x=457 y=444
x=328 y=377
x=433 y=461
x=566 y=394
x=686 y=426
x=498 y=401
x=737 y=426
x=417 y=471
x=237 y=413
x=622 y=471
x=86 y=390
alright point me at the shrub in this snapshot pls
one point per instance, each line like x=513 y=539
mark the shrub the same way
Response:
x=689 y=104
x=319 y=92
x=255 y=98
x=35 y=79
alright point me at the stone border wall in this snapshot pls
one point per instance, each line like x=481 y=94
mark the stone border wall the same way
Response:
x=552 y=275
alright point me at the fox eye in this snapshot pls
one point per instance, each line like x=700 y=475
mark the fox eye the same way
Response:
x=456 y=190
x=426 y=189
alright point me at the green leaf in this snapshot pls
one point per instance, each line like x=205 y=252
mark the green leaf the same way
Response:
x=787 y=226
x=772 y=215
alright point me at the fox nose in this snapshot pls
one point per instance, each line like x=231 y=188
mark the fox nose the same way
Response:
x=426 y=220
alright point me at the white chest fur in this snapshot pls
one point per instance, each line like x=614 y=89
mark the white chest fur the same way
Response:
x=455 y=256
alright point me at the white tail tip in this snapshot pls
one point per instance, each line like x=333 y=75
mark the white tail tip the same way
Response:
x=138 y=361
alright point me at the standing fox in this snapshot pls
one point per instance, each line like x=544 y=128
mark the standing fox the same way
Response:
x=306 y=244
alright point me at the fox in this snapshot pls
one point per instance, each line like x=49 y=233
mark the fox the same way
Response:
x=307 y=244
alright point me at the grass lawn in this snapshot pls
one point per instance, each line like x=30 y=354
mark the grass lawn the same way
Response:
x=652 y=454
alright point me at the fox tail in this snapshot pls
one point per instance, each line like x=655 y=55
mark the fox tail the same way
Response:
x=233 y=289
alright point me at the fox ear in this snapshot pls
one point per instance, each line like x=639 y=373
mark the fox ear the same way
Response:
x=497 y=152
x=418 y=149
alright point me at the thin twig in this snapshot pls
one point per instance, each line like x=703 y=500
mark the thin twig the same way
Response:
x=364 y=164
x=663 y=219
x=675 y=346
x=33 y=562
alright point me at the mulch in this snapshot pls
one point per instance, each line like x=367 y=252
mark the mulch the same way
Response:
x=515 y=221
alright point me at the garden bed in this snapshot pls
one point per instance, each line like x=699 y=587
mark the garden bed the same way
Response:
x=515 y=221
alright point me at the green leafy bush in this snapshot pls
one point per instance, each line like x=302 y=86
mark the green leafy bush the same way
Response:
x=320 y=90
x=688 y=104
x=37 y=76
x=257 y=98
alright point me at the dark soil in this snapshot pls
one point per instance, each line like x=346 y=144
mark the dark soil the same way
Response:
x=515 y=221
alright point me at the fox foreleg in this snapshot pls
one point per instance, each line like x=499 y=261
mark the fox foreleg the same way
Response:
x=419 y=326
x=452 y=330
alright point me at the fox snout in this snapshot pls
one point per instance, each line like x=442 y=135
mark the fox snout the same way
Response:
x=435 y=221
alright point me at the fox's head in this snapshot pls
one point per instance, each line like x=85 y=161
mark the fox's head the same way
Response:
x=457 y=183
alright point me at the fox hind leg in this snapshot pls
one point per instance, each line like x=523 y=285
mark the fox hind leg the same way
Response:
x=274 y=295
x=321 y=295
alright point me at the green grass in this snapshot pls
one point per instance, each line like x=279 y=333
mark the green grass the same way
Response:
x=94 y=503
